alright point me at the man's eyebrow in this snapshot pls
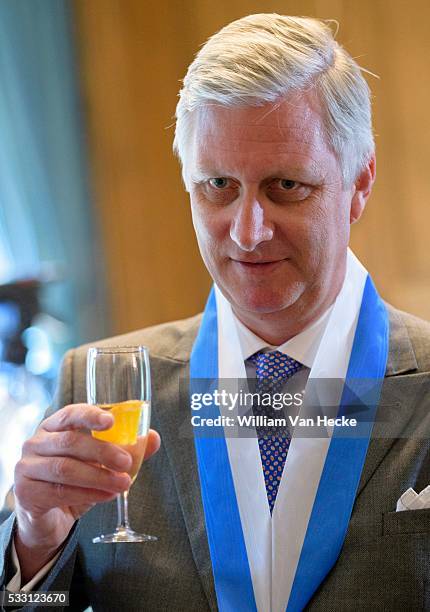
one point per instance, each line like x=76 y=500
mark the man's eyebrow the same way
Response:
x=199 y=174
x=310 y=172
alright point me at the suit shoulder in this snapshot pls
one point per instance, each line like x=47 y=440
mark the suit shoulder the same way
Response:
x=171 y=340
x=418 y=331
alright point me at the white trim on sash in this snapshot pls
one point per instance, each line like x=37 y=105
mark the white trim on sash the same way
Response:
x=306 y=456
x=246 y=467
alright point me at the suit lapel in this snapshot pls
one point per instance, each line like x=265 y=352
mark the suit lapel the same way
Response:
x=398 y=392
x=172 y=410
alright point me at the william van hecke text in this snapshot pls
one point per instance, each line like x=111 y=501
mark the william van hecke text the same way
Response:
x=265 y=421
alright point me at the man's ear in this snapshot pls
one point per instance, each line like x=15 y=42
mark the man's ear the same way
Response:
x=362 y=188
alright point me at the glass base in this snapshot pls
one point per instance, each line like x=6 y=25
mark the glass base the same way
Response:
x=124 y=535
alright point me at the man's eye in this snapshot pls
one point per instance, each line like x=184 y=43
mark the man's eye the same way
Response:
x=287 y=190
x=218 y=182
x=287 y=184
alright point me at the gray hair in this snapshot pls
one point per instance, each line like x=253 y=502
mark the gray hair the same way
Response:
x=262 y=59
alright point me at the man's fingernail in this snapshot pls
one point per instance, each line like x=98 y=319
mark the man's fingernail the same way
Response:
x=123 y=461
x=105 y=420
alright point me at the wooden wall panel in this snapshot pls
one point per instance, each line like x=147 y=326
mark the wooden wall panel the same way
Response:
x=133 y=53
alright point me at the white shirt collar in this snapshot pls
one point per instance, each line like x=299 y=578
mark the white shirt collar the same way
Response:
x=303 y=347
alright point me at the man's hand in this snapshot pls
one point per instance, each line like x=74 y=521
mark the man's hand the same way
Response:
x=63 y=472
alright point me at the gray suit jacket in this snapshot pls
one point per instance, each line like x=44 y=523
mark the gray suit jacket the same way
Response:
x=385 y=560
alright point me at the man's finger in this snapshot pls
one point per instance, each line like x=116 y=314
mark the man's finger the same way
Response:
x=153 y=443
x=37 y=494
x=68 y=471
x=79 y=445
x=78 y=416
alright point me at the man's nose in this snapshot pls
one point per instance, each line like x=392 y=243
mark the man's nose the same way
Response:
x=250 y=224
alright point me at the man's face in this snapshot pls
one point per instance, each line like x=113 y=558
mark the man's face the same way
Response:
x=270 y=212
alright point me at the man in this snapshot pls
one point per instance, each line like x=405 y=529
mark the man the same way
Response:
x=274 y=135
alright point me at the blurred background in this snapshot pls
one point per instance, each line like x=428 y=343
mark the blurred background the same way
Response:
x=95 y=229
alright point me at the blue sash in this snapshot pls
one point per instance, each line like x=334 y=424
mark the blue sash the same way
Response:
x=339 y=480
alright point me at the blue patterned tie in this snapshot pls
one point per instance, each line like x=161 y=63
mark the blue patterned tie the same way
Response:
x=272 y=371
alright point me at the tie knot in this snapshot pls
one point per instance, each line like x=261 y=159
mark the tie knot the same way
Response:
x=275 y=366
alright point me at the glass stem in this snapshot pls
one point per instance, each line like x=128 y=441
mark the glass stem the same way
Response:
x=122 y=505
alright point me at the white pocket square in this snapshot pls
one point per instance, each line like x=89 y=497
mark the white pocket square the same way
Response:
x=411 y=500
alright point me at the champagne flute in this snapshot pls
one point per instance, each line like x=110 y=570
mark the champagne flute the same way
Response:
x=119 y=380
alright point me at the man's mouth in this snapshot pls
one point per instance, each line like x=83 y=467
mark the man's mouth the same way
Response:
x=259 y=266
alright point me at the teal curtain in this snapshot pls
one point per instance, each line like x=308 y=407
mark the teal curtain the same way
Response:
x=46 y=216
